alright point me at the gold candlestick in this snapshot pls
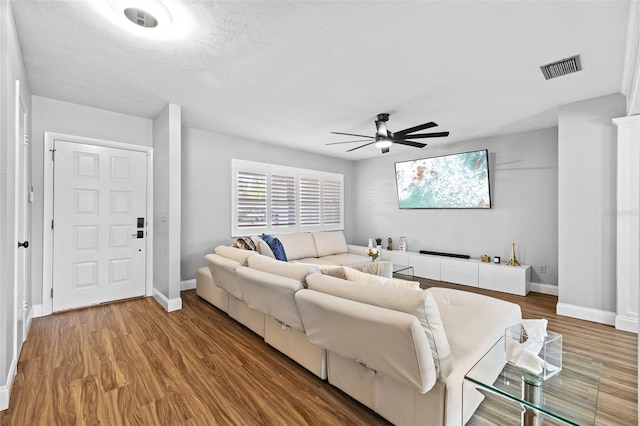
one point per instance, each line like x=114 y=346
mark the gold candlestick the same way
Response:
x=513 y=261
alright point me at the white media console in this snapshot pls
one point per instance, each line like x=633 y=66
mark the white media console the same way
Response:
x=471 y=272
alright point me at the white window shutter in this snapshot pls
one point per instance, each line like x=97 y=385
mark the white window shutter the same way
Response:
x=332 y=204
x=283 y=201
x=310 y=203
x=251 y=201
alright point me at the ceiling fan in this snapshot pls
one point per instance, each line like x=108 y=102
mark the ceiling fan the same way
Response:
x=384 y=138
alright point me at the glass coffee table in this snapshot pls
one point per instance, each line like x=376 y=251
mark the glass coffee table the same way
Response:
x=404 y=272
x=569 y=397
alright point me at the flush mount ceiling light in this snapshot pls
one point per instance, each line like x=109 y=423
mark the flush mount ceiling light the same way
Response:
x=146 y=14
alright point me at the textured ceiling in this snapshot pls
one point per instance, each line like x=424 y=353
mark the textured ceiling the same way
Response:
x=288 y=73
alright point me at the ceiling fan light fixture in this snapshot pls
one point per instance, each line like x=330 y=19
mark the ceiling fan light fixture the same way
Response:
x=383 y=143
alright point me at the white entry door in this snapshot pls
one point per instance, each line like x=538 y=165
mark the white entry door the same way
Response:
x=99 y=224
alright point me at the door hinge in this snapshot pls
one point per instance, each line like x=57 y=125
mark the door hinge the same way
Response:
x=51 y=223
x=53 y=154
x=52 y=292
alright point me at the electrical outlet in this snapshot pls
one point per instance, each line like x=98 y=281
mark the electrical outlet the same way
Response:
x=543 y=269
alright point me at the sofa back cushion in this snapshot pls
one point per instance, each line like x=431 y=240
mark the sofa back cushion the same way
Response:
x=298 y=245
x=330 y=242
x=234 y=253
x=223 y=272
x=296 y=271
x=419 y=303
x=387 y=341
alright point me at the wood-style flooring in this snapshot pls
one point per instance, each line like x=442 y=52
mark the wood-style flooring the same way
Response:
x=132 y=363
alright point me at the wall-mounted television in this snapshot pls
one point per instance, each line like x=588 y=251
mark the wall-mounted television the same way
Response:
x=456 y=181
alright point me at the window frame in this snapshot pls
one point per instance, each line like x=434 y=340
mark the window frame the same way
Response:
x=267 y=170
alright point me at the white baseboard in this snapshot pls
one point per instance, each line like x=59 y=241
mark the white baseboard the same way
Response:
x=589 y=314
x=187 y=285
x=36 y=311
x=169 y=305
x=544 y=288
x=627 y=324
x=5 y=391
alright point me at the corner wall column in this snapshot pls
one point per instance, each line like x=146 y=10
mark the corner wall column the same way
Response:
x=628 y=223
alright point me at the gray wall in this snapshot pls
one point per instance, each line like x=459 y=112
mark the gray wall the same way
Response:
x=206 y=188
x=524 y=175
x=587 y=202
x=63 y=117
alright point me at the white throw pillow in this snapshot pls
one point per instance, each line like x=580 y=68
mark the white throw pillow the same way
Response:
x=353 y=275
x=263 y=248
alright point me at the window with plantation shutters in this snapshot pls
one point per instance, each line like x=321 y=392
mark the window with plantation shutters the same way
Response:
x=270 y=199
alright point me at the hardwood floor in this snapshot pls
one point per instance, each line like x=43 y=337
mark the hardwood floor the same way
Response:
x=132 y=363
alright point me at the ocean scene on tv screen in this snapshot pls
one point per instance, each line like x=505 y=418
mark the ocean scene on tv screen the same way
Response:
x=452 y=181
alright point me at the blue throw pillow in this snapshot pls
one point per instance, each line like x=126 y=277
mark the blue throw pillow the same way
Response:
x=276 y=247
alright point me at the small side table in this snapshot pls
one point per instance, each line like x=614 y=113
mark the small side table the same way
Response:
x=570 y=397
x=404 y=272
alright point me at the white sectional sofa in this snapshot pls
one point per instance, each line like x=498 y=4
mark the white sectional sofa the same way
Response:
x=401 y=352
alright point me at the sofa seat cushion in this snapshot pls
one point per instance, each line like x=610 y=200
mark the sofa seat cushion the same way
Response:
x=346 y=259
x=419 y=303
x=298 y=245
x=473 y=323
x=331 y=242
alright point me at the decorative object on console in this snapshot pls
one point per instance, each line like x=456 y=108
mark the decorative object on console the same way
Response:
x=513 y=261
x=403 y=244
x=378 y=241
x=389 y=244
x=496 y=259
x=370 y=243
x=484 y=258
x=373 y=253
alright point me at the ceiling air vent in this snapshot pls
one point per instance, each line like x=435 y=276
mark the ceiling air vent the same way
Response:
x=562 y=67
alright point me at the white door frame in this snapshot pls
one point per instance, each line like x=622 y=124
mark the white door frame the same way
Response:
x=47 y=243
x=21 y=216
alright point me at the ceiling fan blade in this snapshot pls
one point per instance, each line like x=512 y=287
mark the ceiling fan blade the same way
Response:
x=410 y=143
x=338 y=143
x=427 y=135
x=352 y=134
x=416 y=128
x=361 y=146
x=385 y=150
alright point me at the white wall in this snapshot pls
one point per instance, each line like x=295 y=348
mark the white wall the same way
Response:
x=587 y=205
x=206 y=188
x=523 y=172
x=166 y=203
x=11 y=69
x=77 y=120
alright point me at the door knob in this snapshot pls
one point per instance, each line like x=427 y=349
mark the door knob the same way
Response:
x=25 y=244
